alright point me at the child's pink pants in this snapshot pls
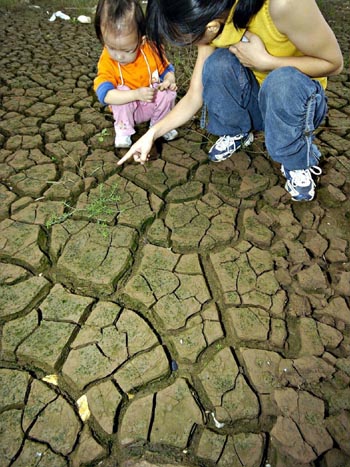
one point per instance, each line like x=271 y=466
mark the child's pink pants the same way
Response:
x=126 y=116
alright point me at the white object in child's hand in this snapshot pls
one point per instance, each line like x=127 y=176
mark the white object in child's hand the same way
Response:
x=244 y=39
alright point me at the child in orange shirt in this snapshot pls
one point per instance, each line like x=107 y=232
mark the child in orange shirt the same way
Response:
x=132 y=79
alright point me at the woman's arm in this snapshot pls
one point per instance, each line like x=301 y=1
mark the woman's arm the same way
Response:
x=302 y=22
x=192 y=101
x=183 y=111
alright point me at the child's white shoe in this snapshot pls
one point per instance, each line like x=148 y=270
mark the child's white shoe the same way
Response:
x=170 y=135
x=122 y=141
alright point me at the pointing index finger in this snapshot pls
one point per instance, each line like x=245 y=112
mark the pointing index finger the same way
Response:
x=127 y=156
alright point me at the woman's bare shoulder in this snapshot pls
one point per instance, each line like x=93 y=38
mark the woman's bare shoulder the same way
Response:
x=280 y=7
x=285 y=13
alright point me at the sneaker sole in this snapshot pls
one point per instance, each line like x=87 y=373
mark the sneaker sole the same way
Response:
x=122 y=146
x=247 y=142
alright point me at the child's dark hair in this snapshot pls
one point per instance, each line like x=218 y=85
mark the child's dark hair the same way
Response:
x=183 y=22
x=112 y=11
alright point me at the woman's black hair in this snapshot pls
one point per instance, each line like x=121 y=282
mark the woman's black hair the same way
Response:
x=183 y=22
x=112 y=11
x=244 y=11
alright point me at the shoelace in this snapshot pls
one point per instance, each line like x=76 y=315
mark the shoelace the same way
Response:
x=225 y=142
x=303 y=177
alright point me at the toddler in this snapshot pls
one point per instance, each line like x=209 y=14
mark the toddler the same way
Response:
x=136 y=83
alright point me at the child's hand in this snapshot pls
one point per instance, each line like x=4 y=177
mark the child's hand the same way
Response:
x=169 y=82
x=145 y=94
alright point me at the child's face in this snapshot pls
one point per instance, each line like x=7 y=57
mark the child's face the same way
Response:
x=122 y=47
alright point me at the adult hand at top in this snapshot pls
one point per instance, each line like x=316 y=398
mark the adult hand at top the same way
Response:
x=252 y=53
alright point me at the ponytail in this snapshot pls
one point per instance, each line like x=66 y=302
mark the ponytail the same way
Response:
x=244 y=11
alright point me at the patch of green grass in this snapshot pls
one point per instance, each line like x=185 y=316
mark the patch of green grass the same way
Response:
x=78 y=5
x=183 y=59
x=74 y=8
x=68 y=5
x=101 y=136
x=326 y=7
x=103 y=205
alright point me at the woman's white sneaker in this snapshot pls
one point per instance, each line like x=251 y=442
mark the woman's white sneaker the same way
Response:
x=227 y=145
x=300 y=183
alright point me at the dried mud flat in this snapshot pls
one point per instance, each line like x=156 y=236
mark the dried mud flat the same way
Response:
x=177 y=314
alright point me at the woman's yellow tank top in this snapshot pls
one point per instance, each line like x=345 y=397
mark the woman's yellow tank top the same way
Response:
x=276 y=43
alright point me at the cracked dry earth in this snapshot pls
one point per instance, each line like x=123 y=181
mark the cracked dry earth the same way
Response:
x=205 y=322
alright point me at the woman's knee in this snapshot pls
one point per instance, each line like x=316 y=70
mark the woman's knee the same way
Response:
x=285 y=83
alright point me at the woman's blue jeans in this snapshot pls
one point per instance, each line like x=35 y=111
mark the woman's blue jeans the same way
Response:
x=288 y=107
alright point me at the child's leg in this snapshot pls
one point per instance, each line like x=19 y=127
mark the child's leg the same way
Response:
x=124 y=116
x=293 y=106
x=230 y=95
x=164 y=102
